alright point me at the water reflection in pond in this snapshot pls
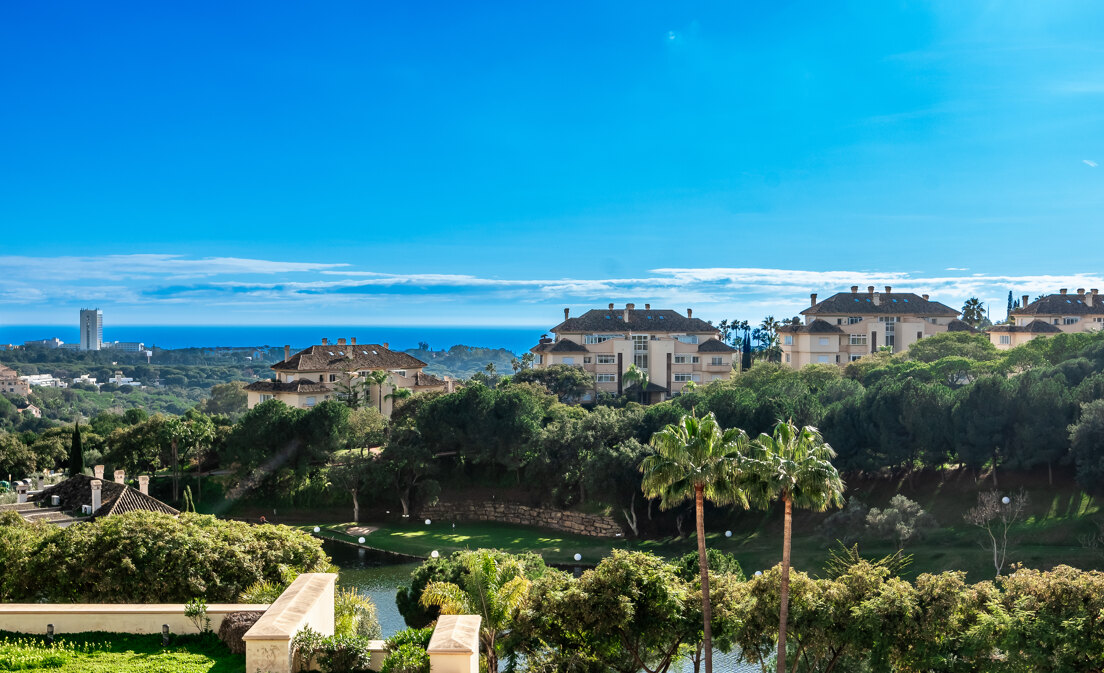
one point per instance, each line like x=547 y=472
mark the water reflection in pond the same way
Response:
x=375 y=574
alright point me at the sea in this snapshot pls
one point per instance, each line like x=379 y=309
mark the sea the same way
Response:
x=514 y=339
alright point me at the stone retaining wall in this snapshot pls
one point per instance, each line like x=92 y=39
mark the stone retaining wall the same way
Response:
x=502 y=512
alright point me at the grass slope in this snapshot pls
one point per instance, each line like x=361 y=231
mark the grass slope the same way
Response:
x=96 y=652
x=1058 y=518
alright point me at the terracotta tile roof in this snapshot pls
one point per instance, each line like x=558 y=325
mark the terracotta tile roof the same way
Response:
x=1033 y=327
x=640 y=320
x=817 y=326
x=296 y=386
x=895 y=303
x=651 y=388
x=715 y=346
x=114 y=498
x=347 y=358
x=423 y=379
x=566 y=346
x=1063 y=304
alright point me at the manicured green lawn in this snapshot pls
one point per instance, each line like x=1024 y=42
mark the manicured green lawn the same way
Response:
x=96 y=652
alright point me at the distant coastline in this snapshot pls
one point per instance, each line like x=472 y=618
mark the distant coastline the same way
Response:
x=515 y=339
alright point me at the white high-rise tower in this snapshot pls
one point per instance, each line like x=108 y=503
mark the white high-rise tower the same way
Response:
x=91 y=329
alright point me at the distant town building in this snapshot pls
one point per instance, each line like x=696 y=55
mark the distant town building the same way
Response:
x=1050 y=315
x=86 y=379
x=28 y=408
x=849 y=325
x=322 y=372
x=121 y=380
x=91 y=329
x=11 y=383
x=124 y=346
x=44 y=343
x=671 y=348
x=44 y=380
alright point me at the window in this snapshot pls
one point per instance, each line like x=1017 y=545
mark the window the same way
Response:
x=855 y=356
x=1006 y=339
x=919 y=336
x=839 y=321
x=788 y=340
x=640 y=343
x=640 y=360
x=822 y=359
x=716 y=361
x=607 y=359
x=400 y=372
x=599 y=338
x=1056 y=321
x=264 y=398
x=1069 y=321
x=858 y=339
x=683 y=377
x=333 y=377
x=685 y=358
x=606 y=378
x=787 y=357
x=539 y=359
x=310 y=401
x=569 y=361
x=688 y=338
x=823 y=341
x=851 y=320
x=586 y=359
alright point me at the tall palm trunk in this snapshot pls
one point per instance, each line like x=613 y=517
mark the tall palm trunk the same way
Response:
x=707 y=611
x=784 y=598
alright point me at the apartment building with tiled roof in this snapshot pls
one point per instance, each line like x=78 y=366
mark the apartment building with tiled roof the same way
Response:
x=849 y=325
x=11 y=384
x=1049 y=315
x=674 y=349
x=315 y=374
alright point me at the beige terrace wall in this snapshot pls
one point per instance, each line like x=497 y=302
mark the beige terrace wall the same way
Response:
x=501 y=512
x=129 y=618
x=308 y=602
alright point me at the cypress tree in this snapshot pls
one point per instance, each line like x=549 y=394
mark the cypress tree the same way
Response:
x=745 y=363
x=76 y=455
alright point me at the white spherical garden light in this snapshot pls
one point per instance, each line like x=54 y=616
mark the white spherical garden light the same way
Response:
x=1006 y=500
x=578 y=557
x=428 y=522
x=360 y=540
x=728 y=533
x=758 y=573
x=434 y=554
x=317 y=529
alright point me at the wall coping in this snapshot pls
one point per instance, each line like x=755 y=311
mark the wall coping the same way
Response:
x=455 y=634
x=121 y=608
x=284 y=618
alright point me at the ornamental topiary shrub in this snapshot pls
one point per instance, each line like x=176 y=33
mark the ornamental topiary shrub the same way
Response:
x=234 y=625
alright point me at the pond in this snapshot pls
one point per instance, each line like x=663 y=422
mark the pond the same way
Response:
x=374 y=574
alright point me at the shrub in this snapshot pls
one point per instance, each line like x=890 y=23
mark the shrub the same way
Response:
x=902 y=520
x=406 y=658
x=234 y=625
x=355 y=615
x=419 y=637
x=342 y=654
x=149 y=557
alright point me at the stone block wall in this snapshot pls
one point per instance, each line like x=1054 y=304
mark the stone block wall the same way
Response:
x=578 y=523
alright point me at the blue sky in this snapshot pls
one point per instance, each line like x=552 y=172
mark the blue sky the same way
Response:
x=490 y=163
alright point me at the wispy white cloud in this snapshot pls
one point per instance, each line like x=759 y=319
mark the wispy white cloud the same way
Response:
x=197 y=285
x=1089 y=162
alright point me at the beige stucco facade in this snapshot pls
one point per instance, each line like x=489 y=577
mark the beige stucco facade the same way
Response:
x=1064 y=312
x=866 y=321
x=673 y=349
x=11 y=384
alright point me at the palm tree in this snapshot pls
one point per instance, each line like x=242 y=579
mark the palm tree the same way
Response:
x=398 y=394
x=696 y=459
x=973 y=311
x=635 y=375
x=378 y=377
x=792 y=465
x=492 y=589
x=350 y=391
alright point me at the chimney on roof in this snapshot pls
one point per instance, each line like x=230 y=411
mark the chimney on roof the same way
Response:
x=889 y=290
x=1091 y=297
x=143 y=485
x=689 y=313
x=924 y=296
x=812 y=299
x=1062 y=291
x=567 y=313
x=386 y=346
x=287 y=352
x=120 y=476
x=870 y=289
x=877 y=298
x=352 y=341
x=611 y=306
x=341 y=342
x=96 y=495
x=647 y=307
x=97 y=470
x=628 y=307
x=325 y=341
x=854 y=289
x=1080 y=292
x=1023 y=304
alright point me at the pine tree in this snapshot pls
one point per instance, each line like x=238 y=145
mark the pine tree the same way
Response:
x=189 y=503
x=76 y=454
